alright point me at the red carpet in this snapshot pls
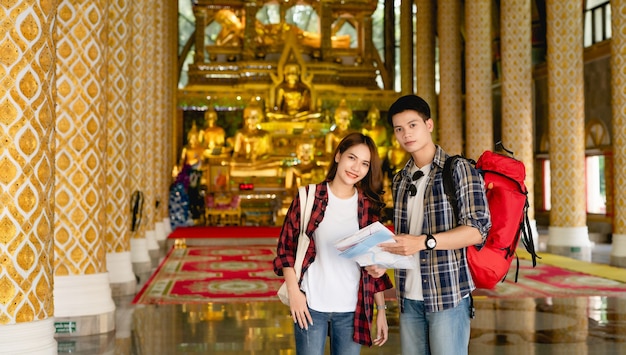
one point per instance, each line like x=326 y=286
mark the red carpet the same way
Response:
x=225 y=232
x=551 y=281
x=213 y=274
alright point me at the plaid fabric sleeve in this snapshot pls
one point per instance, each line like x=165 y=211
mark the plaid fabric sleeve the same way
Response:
x=287 y=240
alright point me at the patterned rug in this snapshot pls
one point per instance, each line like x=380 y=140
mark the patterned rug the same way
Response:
x=213 y=274
x=549 y=280
x=240 y=273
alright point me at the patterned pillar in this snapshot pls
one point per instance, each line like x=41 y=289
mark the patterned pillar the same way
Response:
x=161 y=100
x=149 y=139
x=618 y=103
x=425 y=56
x=517 y=101
x=450 y=74
x=568 y=234
x=138 y=244
x=118 y=217
x=171 y=84
x=27 y=76
x=406 y=46
x=82 y=296
x=478 y=78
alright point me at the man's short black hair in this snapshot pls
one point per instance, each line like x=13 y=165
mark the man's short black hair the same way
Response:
x=408 y=102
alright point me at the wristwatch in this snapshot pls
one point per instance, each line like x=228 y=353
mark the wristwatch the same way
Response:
x=430 y=242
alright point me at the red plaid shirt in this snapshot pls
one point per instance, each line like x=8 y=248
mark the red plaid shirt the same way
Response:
x=286 y=255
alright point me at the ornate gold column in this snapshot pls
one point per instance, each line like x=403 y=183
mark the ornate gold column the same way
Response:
x=26 y=176
x=568 y=234
x=618 y=103
x=478 y=78
x=406 y=47
x=82 y=296
x=117 y=233
x=450 y=95
x=517 y=86
x=425 y=57
x=161 y=104
x=171 y=85
x=150 y=139
x=138 y=147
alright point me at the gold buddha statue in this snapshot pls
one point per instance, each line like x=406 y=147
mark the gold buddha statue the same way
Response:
x=306 y=170
x=193 y=153
x=377 y=131
x=214 y=136
x=292 y=97
x=397 y=157
x=232 y=30
x=251 y=143
x=342 y=118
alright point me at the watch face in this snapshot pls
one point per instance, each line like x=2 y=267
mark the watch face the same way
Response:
x=431 y=243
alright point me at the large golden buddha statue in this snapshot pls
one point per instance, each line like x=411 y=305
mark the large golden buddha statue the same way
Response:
x=377 y=131
x=292 y=97
x=251 y=143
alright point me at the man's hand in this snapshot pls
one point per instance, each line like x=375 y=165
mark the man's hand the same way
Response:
x=405 y=245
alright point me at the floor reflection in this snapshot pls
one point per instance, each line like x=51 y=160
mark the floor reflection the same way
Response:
x=595 y=325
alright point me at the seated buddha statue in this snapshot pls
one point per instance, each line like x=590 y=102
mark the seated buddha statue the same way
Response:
x=306 y=169
x=214 y=136
x=377 y=131
x=193 y=153
x=251 y=143
x=342 y=119
x=397 y=157
x=292 y=97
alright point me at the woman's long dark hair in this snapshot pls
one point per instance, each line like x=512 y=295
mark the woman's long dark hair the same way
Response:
x=372 y=183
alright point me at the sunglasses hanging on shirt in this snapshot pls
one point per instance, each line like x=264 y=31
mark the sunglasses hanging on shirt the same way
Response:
x=416 y=176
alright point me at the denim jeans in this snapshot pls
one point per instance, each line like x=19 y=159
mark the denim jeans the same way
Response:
x=340 y=327
x=439 y=333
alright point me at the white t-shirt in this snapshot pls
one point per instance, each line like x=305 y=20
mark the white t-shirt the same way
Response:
x=331 y=282
x=415 y=215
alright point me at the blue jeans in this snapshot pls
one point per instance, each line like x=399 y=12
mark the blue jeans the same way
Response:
x=340 y=327
x=440 y=333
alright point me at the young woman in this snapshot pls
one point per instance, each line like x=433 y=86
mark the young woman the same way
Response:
x=334 y=296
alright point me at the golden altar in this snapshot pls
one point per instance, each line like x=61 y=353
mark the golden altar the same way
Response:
x=276 y=84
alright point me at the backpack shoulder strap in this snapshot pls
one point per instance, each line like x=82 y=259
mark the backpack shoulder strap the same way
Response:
x=449 y=185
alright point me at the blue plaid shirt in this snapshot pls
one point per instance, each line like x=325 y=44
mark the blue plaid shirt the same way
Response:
x=446 y=277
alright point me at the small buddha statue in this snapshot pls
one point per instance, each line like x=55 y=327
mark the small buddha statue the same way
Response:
x=293 y=97
x=251 y=143
x=193 y=152
x=377 y=131
x=397 y=157
x=214 y=136
x=342 y=118
x=306 y=170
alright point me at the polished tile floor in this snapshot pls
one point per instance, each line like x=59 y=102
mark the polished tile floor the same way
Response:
x=572 y=326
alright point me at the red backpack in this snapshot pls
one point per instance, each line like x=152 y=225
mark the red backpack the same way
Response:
x=508 y=204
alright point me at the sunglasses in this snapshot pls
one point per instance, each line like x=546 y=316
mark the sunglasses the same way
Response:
x=416 y=176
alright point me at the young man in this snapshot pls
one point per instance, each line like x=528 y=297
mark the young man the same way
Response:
x=435 y=296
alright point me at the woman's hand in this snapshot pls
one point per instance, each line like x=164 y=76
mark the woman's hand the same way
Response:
x=299 y=309
x=375 y=271
x=382 y=328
